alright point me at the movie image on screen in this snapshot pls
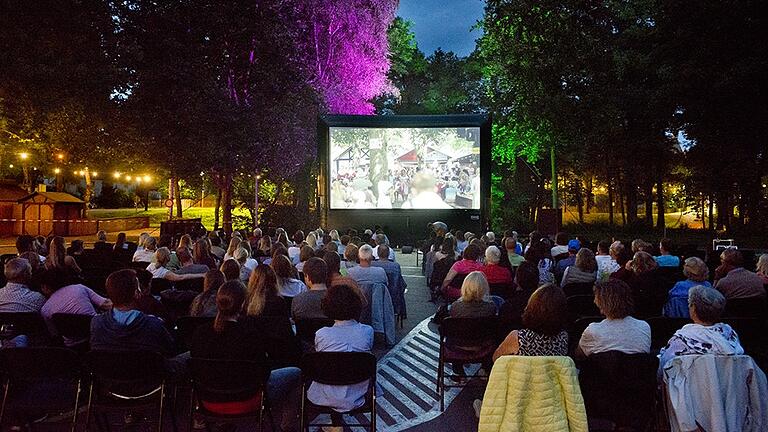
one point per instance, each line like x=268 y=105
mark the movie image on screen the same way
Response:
x=405 y=168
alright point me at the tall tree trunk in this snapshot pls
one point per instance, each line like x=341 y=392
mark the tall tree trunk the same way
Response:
x=579 y=200
x=590 y=194
x=620 y=186
x=660 y=222
x=179 y=210
x=722 y=205
x=217 y=210
x=711 y=214
x=648 y=195
x=610 y=199
x=630 y=191
x=703 y=214
x=226 y=219
x=88 y=194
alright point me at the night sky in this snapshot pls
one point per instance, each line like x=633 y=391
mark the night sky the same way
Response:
x=444 y=24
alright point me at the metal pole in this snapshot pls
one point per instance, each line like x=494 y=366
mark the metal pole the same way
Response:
x=554 y=176
x=256 y=201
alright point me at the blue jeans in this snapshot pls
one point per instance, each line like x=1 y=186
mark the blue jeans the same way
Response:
x=284 y=391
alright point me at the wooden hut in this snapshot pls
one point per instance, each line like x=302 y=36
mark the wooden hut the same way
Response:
x=46 y=213
x=10 y=194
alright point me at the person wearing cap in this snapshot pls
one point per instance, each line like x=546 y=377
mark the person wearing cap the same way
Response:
x=573 y=248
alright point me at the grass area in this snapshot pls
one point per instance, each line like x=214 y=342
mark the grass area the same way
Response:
x=672 y=220
x=158 y=214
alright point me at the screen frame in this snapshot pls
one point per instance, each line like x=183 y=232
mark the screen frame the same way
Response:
x=481 y=121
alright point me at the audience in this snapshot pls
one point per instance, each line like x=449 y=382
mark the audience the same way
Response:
x=263 y=297
x=120 y=243
x=463 y=267
x=216 y=249
x=365 y=273
x=493 y=271
x=526 y=282
x=762 y=268
x=649 y=292
x=560 y=250
x=584 y=269
x=159 y=270
x=65 y=296
x=288 y=283
x=228 y=339
x=666 y=259
x=202 y=255
x=146 y=302
x=734 y=281
x=234 y=244
x=188 y=265
x=306 y=253
x=101 y=242
x=343 y=305
x=125 y=327
x=513 y=256
x=350 y=257
x=16 y=296
x=606 y=262
x=395 y=280
x=544 y=322
x=307 y=304
x=538 y=253
x=475 y=298
x=696 y=273
x=562 y=264
x=241 y=256
x=706 y=335
x=58 y=258
x=618 y=331
x=145 y=252
x=204 y=304
x=231 y=270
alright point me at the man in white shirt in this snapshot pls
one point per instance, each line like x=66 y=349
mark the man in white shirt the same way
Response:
x=606 y=265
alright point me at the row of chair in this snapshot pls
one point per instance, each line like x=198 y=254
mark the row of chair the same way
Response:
x=130 y=381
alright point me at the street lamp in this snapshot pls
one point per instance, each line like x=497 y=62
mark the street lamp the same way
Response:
x=25 y=168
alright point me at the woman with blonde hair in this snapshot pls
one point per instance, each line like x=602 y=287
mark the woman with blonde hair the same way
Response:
x=58 y=258
x=241 y=256
x=584 y=269
x=265 y=246
x=287 y=277
x=234 y=244
x=762 y=268
x=263 y=297
x=474 y=301
x=311 y=240
x=696 y=273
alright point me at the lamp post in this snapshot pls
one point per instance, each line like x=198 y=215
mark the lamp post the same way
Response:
x=25 y=169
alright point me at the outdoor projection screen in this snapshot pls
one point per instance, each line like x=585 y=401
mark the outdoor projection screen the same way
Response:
x=404 y=167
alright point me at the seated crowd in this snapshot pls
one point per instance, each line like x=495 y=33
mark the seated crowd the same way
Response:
x=258 y=291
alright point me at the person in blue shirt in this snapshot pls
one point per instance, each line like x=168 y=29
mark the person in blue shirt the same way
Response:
x=666 y=259
x=696 y=273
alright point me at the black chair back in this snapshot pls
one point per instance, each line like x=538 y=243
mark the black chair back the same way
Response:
x=469 y=332
x=662 y=329
x=4 y=258
x=306 y=328
x=745 y=308
x=72 y=326
x=503 y=290
x=576 y=329
x=124 y=372
x=458 y=280
x=39 y=363
x=216 y=380
x=26 y=323
x=186 y=326
x=751 y=332
x=140 y=265
x=578 y=288
x=195 y=285
x=338 y=368
x=582 y=306
x=158 y=285
x=620 y=387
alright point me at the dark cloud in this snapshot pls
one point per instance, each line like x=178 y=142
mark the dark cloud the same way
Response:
x=444 y=24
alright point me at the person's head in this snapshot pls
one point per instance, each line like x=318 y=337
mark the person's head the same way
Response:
x=561 y=238
x=18 y=270
x=475 y=287
x=546 y=312
x=695 y=269
x=706 y=305
x=640 y=245
x=77 y=247
x=665 y=246
x=365 y=254
x=574 y=246
x=257 y=234
x=527 y=276
x=382 y=251
x=231 y=269
x=282 y=238
x=345 y=239
x=145 y=279
x=162 y=256
x=306 y=252
x=142 y=241
x=150 y=243
x=643 y=262
x=468 y=236
x=58 y=251
x=326 y=239
x=732 y=257
x=616 y=251
x=315 y=271
x=342 y=303
x=215 y=240
x=350 y=253
x=381 y=239
x=262 y=286
x=184 y=256
x=283 y=268
x=492 y=255
x=229 y=303
x=331 y=246
x=510 y=244
x=491 y=236
x=265 y=244
x=614 y=298
x=186 y=241
x=241 y=255
x=25 y=243
x=101 y=235
x=603 y=247
x=298 y=237
x=122 y=288
x=762 y=264
x=333 y=262
x=472 y=252
x=201 y=251
x=585 y=260
x=311 y=240
x=120 y=238
x=214 y=278
x=234 y=243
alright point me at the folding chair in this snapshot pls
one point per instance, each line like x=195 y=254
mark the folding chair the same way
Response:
x=662 y=329
x=341 y=369
x=74 y=327
x=306 y=328
x=578 y=288
x=216 y=382
x=25 y=323
x=185 y=329
x=464 y=340
x=576 y=329
x=582 y=306
x=50 y=381
x=158 y=285
x=195 y=285
x=123 y=381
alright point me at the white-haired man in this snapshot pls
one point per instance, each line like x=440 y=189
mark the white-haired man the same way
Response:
x=16 y=295
x=365 y=273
